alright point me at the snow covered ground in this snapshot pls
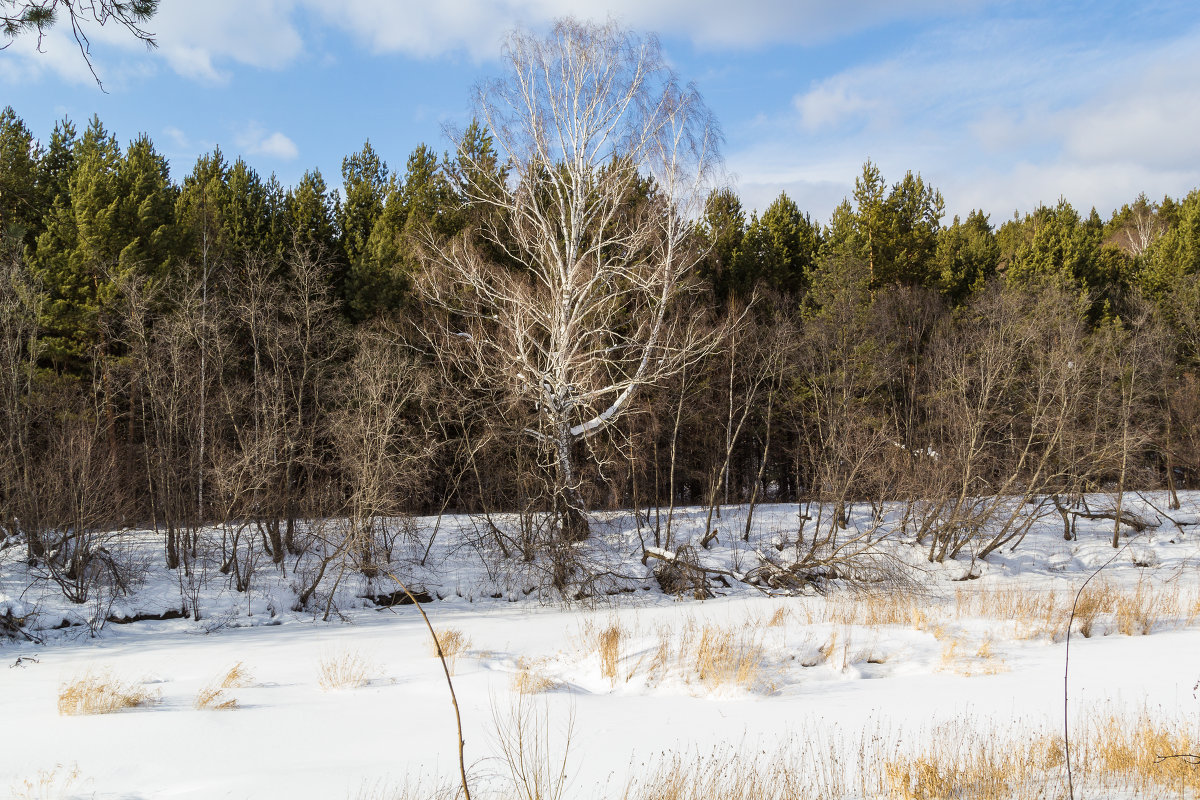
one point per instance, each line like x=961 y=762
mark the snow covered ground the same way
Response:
x=860 y=676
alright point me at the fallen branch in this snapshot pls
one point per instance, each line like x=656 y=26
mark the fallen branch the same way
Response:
x=1125 y=517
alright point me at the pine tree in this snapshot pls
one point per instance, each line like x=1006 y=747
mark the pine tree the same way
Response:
x=21 y=206
x=870 y=222
x=913 y=215
x=1175 y=254
x=57 y=163
x=78 y=253
x=967 y=257
x=478 y=183
x=778 y=250
x=200 y=210
x=423 y=203
x=147 y=210
x=366 y=184
x=1056 y=243
x=309 y=213
x=721 y=229
x=251 y=220
x=894 y=232
x=476 y=168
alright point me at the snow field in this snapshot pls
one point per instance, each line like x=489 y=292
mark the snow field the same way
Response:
x=933 y=687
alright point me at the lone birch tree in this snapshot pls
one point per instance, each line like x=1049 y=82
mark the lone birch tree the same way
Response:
x=562 y=291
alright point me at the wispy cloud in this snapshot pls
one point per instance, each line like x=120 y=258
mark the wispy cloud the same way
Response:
x=204 y=41
x=1028 y=117
x=477 y=27
x=255 y=140
x=197 y=40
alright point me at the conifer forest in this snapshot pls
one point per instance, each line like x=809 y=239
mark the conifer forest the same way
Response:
x=183 y=349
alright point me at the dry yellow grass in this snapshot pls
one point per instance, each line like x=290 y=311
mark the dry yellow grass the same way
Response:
x=825 y=651
x=710 y=656
x=950 y=656
x=1093 y=601
x=50 y=784
x=779 y=618
x=1113 y=756
x=1034 y=614
x=957 y=657
x=874 y=609
x=453 y=643
x=344 y=670
x=236 y=677
x=981 y=776
x=1139 y=751
x=1140 y=610
x=723 y=656
x=1193 y=609
x=100 y=693
x=1134 y=611
x=608 y=646
x=531 y=678
x=531 y=681
x=213 y=697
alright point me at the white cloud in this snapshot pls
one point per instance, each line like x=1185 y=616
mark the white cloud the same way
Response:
x=203 y=40
x=59 y=55
x=477 y=27
x=179 y=140
x=195 y=39
x=1021 y=121
x=255 y=141
x=831 y=103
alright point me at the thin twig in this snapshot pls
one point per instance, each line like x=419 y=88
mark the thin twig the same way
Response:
x=462 y=763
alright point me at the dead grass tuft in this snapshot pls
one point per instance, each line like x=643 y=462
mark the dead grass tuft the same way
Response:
x=1092 y=602
x=453 y=643
x=958 y=658
x=236 y=677
x=344 y=670
x=101 y=693
x=531 y=680
x=874 y=609
x=50 y=784
x=213 y=698
x=1139 y=611
x=1114 y=756
x=1138 y=751
x=1034 y=614
x=608 y=646
x=779 y=618
x=725 y=656
x=925 y=777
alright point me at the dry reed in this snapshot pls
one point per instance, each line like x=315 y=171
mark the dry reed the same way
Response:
x=344 y=670
x=100 y=693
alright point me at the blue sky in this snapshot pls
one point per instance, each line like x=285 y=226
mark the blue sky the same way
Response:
x=1001 y=104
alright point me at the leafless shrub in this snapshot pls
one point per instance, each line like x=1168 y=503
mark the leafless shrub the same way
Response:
x=535 y=754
